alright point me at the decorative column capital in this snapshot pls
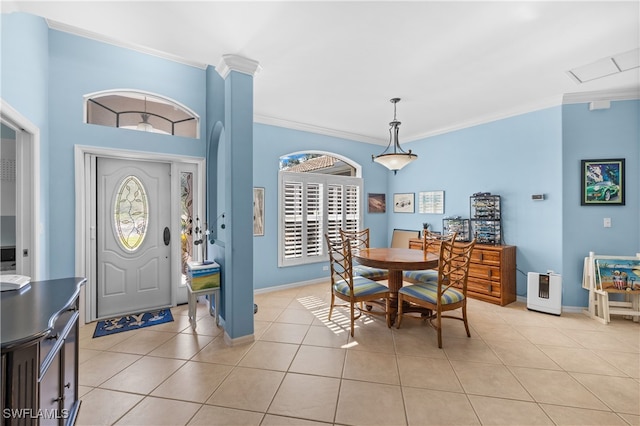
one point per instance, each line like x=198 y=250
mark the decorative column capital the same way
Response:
x=237 y=63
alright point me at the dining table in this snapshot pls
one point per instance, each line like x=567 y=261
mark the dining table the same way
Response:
x=396 y=260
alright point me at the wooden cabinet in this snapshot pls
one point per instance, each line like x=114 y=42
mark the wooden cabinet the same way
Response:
x=40 y=353
x=58 y=390
x=492 y=273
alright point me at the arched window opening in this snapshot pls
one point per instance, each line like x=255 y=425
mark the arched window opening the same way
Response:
x=141 y=111
x=316 y=163
x=319 y=194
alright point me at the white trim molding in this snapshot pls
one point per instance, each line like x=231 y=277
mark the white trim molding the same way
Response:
x=625 y=94
x=237 y=63
x=28 y=147
x=303 y=127
x=82 y=212
x=59 y=26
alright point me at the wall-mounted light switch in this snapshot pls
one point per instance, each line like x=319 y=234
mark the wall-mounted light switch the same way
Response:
x=607 y=222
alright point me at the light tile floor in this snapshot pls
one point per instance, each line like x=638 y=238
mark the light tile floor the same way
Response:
x=518 y=368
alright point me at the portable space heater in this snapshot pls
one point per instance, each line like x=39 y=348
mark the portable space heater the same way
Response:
x=544 y=292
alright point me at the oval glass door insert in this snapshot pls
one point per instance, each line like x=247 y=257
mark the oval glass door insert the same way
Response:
x=131 y=213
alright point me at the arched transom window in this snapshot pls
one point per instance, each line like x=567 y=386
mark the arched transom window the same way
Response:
x=145 y=112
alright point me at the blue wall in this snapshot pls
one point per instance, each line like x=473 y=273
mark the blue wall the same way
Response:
x=270 y=143
x=79 y=66
x=533 y=153
x=45 y=74
x=24 y=85
x=514 y=158
x=599 y=134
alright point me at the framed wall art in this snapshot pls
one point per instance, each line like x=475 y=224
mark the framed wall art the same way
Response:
x=602 y=182
x=404 y=203
x=377 y=203
x=431 y=202
x=258 y=211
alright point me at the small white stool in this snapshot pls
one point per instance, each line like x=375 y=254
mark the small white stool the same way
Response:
x=193 y=301
x=205 y=278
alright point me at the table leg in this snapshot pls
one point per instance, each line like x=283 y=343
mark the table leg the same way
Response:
x=395 y=284
x=192 y=300
x=213 y=305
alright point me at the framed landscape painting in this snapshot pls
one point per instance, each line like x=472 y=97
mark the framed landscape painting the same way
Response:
x=602 y=182
x=377 y=203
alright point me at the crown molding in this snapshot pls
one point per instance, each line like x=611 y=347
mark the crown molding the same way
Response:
x=547 y=103
x=293 y=125
x=484 y=119
x=59 y=26
x=237 y=63
x=624 y=94
x=618 y=95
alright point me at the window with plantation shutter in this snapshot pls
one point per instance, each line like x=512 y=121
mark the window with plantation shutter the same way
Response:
x=292 y=228
x=312 y=204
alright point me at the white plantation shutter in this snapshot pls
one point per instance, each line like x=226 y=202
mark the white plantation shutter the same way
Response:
x=334 y=210
x=292 y=205
x=315 y=207
x=310 y=205
x=352 y=208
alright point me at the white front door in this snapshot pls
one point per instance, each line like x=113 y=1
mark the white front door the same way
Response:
x=134 y=240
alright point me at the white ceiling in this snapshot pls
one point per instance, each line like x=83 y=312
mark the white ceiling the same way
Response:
x=333 y=66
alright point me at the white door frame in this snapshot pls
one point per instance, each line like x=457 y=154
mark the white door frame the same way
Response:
x=85 y=263
x=28 y=220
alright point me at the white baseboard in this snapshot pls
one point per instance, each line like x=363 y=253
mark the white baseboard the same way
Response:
x=567 y=309
x=292 y=285
x=249 y=338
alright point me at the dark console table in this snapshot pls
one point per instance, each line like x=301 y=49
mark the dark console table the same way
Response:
x=40 y=353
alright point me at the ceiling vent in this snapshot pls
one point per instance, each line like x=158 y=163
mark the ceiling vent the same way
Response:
x=606 y=66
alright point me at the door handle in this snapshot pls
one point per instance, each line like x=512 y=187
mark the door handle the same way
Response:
x=166 y=235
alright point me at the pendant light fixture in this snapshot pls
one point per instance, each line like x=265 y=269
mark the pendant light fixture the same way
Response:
x=399 y=158
x=144 y=125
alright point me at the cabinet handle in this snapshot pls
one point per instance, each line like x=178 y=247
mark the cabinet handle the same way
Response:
x=59 y=399
x=490 y=288
x=54 y=337
x=72 y=309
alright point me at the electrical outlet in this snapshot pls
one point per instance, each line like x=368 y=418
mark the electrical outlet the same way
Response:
x=607 y=222
x=325 y=268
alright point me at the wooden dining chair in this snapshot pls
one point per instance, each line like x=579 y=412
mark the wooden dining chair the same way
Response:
x=430 y=244
x=450 y=290
x=360 y=240
x=352 y=288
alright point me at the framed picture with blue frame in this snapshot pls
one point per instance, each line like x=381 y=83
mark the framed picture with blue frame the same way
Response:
x=602 y=182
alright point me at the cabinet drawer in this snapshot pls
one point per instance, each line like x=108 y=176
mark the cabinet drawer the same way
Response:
x=492 y=273
x=416 y=245
x=486 y=257
x=488 y=287
x=70 y=361
x=50 y=392
x=57 y=335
